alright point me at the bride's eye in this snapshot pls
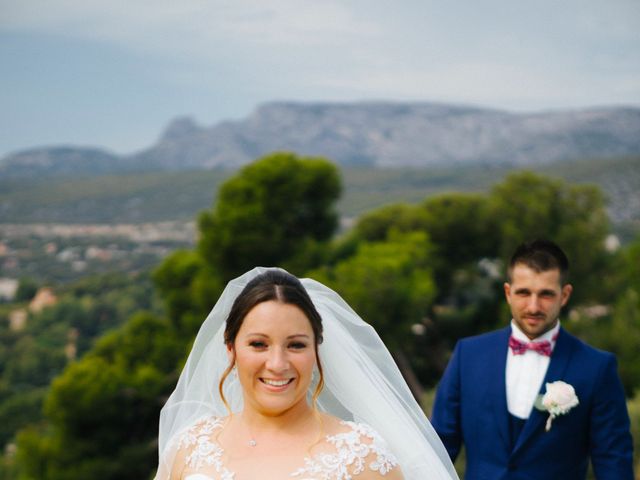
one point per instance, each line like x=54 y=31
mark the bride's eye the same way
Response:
x=297 y=345
x=258 y=344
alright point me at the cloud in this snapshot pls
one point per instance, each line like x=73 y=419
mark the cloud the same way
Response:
x=197 y=27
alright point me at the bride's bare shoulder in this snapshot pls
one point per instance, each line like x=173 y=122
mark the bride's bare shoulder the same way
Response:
x=332 y=425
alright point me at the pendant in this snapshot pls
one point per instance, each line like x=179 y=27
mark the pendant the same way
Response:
x=252 y=443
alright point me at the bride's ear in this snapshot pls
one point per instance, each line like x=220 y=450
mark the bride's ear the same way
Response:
x=231 y=353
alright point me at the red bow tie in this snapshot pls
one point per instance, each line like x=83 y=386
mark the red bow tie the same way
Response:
x=519 y=347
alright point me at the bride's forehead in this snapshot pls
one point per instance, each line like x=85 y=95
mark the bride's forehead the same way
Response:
x=272 y=315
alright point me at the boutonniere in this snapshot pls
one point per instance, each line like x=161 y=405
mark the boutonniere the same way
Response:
x=559 y=398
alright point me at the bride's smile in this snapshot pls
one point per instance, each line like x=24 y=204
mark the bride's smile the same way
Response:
x=276 y=383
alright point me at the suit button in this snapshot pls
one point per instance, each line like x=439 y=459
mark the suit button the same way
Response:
x=512 y=466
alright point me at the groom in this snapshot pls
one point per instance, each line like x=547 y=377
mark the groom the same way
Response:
x=486 y=397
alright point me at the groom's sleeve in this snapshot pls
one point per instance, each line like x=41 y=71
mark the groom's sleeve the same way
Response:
x=446 y=408
x=610 y=443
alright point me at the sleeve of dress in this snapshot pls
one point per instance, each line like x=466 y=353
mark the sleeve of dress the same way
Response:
x=610 y=442
x=380 y=463
x=446 y=408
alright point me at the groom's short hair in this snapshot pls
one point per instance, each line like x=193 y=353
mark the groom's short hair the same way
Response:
x=541 y=256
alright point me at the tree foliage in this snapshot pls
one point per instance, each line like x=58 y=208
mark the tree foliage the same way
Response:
x=176 y=279
x=27 y=289
x=103 y=410
x=277 y=211
x=273 y=211
x=615 y=325
x=32 y=357
x=389 y=283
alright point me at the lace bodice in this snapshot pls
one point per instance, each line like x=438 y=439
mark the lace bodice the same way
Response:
x=345 y=456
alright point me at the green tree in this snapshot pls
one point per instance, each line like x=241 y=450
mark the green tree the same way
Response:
x=272 y=213
x=277 y=211
x=18 y=410
x=27 y=289
x=461 y=227
x=462 y=231
x=389 y=283
x=181 y=279
x=32 y=357
x=624 y=338
x=618 y=329
x=103 y=410
x=375 y=226
x=33 y=364
x=627 y=268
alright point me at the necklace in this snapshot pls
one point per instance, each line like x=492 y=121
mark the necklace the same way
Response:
x=252 y=440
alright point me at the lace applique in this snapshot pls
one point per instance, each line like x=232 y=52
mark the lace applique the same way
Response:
x=204 y=452
x=354 y=449
x=352 y=453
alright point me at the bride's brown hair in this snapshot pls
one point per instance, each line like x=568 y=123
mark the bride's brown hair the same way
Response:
x=279 y=286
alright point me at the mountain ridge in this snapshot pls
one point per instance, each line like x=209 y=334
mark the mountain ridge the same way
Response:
x=379 y=134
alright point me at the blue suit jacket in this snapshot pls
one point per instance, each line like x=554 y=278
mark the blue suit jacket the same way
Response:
x=471 y=409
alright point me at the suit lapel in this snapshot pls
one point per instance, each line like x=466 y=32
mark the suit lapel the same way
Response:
x=557 y=367
x=497 y=384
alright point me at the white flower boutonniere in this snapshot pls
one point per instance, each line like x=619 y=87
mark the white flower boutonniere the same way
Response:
x=558 y=400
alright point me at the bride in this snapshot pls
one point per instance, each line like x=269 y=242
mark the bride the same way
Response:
x=284 y=380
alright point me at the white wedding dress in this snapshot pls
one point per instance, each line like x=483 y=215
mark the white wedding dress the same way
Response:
x=341 y=456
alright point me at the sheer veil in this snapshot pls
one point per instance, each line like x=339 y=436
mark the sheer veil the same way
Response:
x=362 y=383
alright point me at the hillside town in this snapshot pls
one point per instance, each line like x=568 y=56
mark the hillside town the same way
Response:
x=53 y=254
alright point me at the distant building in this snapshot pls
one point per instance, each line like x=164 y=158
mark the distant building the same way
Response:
x=10 y=450
x=17 y=320
x=612 y=243
x=67 y=255
x=71 y=348
x=78 y=265
x=96 y=253
x=8 y=288
x=44 y=298
x=10 y=263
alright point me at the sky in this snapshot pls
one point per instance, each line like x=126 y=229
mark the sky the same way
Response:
x=113 y=73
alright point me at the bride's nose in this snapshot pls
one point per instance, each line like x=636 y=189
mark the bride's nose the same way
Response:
x=277 y=360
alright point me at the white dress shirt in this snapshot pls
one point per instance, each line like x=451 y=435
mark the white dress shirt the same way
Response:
x=525 y=373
